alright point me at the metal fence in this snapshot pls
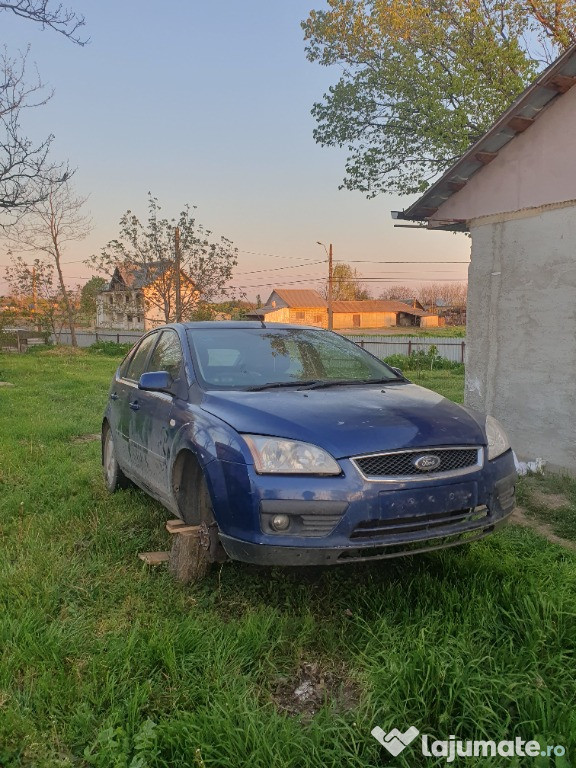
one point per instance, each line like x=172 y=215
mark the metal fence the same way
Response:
x=383 y=346
x=86 y=339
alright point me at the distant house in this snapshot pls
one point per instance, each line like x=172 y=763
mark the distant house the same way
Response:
x=285 y=305
x=380 y=313
x=139 y=297
x=308 y=307
x=514 y=190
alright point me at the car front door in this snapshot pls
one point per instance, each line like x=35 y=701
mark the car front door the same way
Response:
x=150 y=428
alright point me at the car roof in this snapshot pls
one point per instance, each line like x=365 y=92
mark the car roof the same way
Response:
x=226 y=325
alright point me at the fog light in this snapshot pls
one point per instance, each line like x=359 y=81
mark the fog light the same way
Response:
x=280 y=522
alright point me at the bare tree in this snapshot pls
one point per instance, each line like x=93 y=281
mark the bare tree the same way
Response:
x=428 y=294
x=448 y=294
x=53 y=15
x=26 y=173
x=50 y=227
x=391 y=292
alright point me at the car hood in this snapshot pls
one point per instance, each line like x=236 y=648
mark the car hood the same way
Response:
x=351 y=421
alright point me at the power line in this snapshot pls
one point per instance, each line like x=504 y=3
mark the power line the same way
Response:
x=367 y=261
x=379 y=280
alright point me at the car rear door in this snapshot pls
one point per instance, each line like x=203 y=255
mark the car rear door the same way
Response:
x=150 y=428
x=122 y=394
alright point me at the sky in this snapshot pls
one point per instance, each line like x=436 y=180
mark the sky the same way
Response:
x=208 y=103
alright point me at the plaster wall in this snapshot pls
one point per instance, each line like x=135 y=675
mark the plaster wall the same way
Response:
x=521 y=333
x=536 y=168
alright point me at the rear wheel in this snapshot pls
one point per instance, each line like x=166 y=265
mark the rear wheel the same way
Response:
x=113 y=475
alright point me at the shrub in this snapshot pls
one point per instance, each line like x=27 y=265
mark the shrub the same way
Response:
x=110 y=348
x=420 y=360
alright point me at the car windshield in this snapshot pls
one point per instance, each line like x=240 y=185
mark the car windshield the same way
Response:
x=261 y=358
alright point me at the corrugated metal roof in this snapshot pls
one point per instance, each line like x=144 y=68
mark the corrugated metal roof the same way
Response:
x=300 y=298
x=549 y=86
x=376 y=305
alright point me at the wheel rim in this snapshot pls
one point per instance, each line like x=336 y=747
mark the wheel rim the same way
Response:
x=109 y=458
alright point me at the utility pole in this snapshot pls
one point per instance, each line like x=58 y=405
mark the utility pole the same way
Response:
x=177 y=275
x=329 y=254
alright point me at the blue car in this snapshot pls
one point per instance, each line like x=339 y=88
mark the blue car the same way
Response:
x=291 y=445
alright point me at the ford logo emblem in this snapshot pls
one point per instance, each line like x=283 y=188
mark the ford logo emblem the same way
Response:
x=427 y=462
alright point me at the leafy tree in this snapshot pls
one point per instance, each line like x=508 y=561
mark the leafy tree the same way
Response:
x=27 y=175
x=88 y=294
x=208 y=262
x=346 y=285
x=423 y=79
x=50 y=227
x=36 y=295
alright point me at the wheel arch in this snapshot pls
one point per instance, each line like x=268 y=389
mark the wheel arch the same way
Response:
x=186 y=480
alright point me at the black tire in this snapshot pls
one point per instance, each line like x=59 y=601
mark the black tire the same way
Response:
x=114 y=478
x=195 y=508
x=194 y=502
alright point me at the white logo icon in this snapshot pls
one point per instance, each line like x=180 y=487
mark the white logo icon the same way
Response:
x=394 y=740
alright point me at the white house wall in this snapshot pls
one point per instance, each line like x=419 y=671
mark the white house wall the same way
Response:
x=537 y=168
x=521 y=336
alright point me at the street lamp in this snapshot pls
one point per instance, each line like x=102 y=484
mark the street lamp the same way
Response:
x=329 y=254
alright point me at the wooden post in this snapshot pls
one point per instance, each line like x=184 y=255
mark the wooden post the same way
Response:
x=409 y=347
x=462 y=348
x=189 y=557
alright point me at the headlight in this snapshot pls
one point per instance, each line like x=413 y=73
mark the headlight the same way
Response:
x=497 y=439
x=278 y=456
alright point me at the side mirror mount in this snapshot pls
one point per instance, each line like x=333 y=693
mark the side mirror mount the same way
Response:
x=397 y=370
x=156 y=381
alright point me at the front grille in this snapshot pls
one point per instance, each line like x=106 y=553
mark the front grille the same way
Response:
x=401 y=464
x=370 y=529
x=414 y=547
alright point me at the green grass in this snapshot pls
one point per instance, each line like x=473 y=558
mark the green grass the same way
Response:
x=107 y=662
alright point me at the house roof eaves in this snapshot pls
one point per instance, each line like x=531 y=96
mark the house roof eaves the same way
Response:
x=556 y=80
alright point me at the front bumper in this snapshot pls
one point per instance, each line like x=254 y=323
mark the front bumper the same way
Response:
x=392 y=535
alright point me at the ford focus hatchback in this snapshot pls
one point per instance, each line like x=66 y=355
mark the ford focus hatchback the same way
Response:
x=291 y=445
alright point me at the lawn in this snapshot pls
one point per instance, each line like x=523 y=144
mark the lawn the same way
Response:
x=107 y=662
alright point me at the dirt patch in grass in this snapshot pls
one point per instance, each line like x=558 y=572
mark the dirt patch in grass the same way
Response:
x=6 y=384
x=519 y=517
x=312 y=686
x=85 y=438
x=550 y=500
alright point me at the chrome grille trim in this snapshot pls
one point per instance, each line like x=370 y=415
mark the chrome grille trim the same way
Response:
x=421 y=476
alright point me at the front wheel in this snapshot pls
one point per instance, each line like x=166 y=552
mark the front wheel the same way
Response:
x=113 y=475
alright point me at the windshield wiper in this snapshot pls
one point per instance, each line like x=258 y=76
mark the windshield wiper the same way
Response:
x=278 y=384
x=340 y=382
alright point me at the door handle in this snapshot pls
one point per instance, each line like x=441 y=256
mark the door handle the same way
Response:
x=134 y=405
x=113 y=396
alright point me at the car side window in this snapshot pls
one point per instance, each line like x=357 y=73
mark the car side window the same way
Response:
x=136 y=367
x=168 y=355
